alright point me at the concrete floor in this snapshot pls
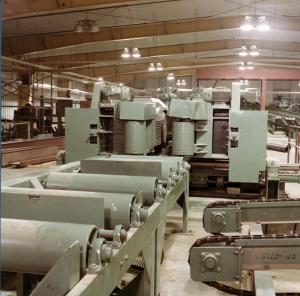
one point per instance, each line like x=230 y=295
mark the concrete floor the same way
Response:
x=175 y=268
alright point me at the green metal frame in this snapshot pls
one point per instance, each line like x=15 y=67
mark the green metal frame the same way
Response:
x=231 y=218
x=145 y=239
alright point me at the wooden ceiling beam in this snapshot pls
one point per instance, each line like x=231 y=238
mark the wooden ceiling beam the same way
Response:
x=34 y=43
x=161 y=51
x=143 y=67
x=17 y=9
x=127 y=78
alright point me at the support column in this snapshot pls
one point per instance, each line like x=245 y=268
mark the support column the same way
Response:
x=263 y=95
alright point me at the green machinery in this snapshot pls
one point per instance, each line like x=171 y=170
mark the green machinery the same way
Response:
x=67 y=233
x=230 y=258
x=121 y=126
x=226 y=147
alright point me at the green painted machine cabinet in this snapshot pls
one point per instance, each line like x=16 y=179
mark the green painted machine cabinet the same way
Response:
x=247 y=147
x=137 y=111
x=82 y=134
x=194 y=110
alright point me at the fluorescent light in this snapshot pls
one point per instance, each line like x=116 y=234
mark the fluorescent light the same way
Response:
x=242 y=68
x=125 y=53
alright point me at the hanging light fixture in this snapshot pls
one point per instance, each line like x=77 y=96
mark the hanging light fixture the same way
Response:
x=244 y=51
x=262 y=24
x=159 y=67
x=248 y=50
x=136 y=53
x=183 y=82
x=249 y=66
x=151 y=68
x=178 y=83
x=258 y=23
x=170 y=76
x=78 y=27
x=86 y=25
x=246 y=66
x=247 y=25
x=244 y=82
x=242 y=67
x=126 y=53
x=253 y=51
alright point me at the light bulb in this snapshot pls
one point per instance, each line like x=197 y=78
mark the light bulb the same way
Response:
x=183 y=83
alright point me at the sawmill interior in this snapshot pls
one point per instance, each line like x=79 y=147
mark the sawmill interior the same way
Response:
x=150 y=148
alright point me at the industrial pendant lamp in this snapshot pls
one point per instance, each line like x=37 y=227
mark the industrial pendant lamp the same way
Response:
x=159 y=67
x=246 y=66
x=86 y=25
x=258 y=23
x=126 y=53
x=136 y=53
x=151 y=68
x=170 y=76
x=248 y=51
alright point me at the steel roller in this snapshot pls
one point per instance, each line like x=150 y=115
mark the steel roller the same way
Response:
x=34 y=246
x=105 y=183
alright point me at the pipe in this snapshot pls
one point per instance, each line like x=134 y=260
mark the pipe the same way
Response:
x=109 y=234
x=47 y=69
x=277 y=147
x=105 y=183
x=290 y=178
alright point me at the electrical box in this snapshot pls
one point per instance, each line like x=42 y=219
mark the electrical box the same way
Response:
x=247 y=146
x=82 y=133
